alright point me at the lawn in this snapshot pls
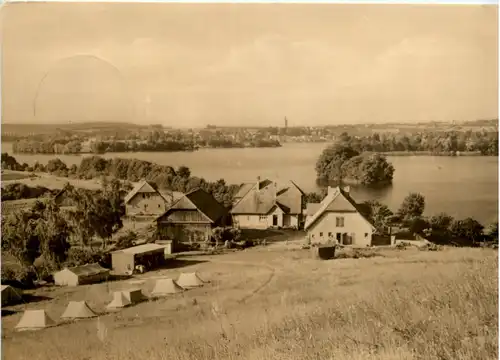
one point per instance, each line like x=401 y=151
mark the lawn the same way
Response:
x=273 y=303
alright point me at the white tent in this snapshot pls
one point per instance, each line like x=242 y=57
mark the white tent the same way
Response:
x=34 y=320
x=78 y=310
x=187 y=280
x=166 y=287
x=11 y=295
x=119 y=301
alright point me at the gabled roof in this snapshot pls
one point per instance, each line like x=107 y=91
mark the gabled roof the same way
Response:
x=290 y=195
x=200 y=200
x=338 y=201
x=171 y=196
x=269 y=194
x=141 y=187
x=246 y=187
x=256 y=202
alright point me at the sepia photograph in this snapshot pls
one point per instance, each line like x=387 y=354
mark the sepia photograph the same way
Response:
x=263 y=181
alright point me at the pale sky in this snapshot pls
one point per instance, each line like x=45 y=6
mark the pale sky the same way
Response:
x=186 y=65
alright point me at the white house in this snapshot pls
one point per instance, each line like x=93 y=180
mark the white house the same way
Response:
x=337 y=219
x=266 y=204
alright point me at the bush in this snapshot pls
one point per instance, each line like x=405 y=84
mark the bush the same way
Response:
x=78 y=256
x=45 y=268
x=17 y=276
x=125 y=241
x=19 y=191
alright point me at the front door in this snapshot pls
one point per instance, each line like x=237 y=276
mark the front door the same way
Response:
x=275 y=220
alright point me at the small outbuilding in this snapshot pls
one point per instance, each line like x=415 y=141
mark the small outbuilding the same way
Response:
x=149 y=256
x=81 y=275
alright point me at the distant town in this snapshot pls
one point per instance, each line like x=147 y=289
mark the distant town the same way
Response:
x=74 y=138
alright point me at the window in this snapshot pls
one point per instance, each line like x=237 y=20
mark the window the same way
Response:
x=262 y=217
x=312 y=236
x=366 y=234
x=339 y=221
x=159 y=206
x=248 y=217
x=329 y=234
x=143 y=196
x=320 y=234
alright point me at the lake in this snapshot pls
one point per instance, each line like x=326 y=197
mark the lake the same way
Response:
x=459 y=186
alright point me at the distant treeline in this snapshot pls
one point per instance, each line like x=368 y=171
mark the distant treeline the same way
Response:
x=439 y=143
x=165 y=177
x=428 y=141
x=156 y=140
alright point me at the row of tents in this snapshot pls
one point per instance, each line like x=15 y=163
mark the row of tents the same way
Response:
x=39 y=319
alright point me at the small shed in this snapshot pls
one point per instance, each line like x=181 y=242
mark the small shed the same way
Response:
x=168 y=244
x=80 y=275
x=148 y=255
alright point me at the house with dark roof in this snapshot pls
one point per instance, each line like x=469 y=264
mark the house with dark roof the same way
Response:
x=265 y=204
x=338 y=219
x=146 y=200
x=192 y=218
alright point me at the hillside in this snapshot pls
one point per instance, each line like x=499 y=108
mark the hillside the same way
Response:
x=273 y=304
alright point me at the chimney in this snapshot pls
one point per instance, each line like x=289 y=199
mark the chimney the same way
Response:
x=347 y=189
x=258 y=182
x=331 y=190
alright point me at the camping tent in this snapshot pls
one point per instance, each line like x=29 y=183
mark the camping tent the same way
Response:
x=78 y=310
x=119 y=301
x=34 y=320
x=187 y=280
x=133 y=295
x=11 y=295
x=79 y=275
x=165 y=287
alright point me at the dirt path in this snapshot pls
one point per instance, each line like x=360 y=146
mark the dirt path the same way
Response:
x=255 y=291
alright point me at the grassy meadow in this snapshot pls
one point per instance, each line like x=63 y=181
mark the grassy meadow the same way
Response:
x=275 y=303
x=46 y=180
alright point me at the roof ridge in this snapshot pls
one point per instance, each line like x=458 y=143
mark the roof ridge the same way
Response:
x=324 y=204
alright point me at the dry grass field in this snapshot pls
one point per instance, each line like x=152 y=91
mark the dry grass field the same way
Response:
x=47 y=180
x=270 y=303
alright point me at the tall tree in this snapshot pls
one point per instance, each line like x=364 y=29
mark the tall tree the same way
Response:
x=379 y=214
x=329 y=164
x=467 y=231
x=413 y=206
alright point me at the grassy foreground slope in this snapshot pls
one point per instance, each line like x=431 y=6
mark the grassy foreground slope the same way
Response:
x=265 y=304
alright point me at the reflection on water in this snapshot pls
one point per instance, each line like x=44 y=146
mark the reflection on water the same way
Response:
x=459 y=186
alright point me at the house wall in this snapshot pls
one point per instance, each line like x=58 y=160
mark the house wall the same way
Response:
x=146 y=204
x=358 y=229
x=254 y=221
x=293 y=221
x=64 y=201
x=122 y=263
x=250 y=221
x=185 y=232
